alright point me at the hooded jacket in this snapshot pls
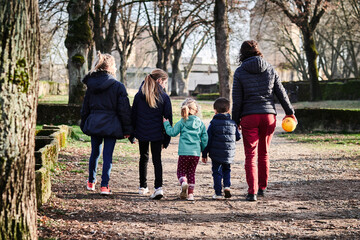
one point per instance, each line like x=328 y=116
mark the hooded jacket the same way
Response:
x=148 y=122
x=193 y=135
x=106 y=109
x=223 y=134
x=255 y=84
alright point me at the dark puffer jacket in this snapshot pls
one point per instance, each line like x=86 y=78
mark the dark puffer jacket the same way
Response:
x=255 y=83
x=106 y=109
x=148 y=122
x=223 y=133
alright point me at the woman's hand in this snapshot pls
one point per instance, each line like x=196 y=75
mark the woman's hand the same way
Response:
x=164 y=119
x=291 y=116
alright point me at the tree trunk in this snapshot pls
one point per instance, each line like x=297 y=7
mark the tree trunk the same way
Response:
x=19 y=62
x=222 y=47
x=176 y=71
x=123 y=68
x=311 y=57
x=78 y=42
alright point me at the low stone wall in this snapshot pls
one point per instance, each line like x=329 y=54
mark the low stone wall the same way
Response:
x=58 y=114
x=328 y=120
x=48 y=143
x=52 y=88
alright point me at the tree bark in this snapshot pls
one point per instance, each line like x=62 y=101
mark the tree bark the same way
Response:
x=311 y=57
x=19 y=62
x=78 y=42
x=222 y=47
x=177 y=76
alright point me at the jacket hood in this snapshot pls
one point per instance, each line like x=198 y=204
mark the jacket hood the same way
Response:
x=193 y=122
x=98 y=82
x=254 y=65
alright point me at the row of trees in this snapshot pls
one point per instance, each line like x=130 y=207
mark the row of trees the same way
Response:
x=326 y=37
x=117 y=25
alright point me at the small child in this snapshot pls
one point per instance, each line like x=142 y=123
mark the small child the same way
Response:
x=193 y=140
x=223 y=133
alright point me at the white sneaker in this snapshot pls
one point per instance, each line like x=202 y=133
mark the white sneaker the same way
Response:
x=143 y=191
x=190 y=197
x=184 y=188
x=217 y=197
x=158 y=194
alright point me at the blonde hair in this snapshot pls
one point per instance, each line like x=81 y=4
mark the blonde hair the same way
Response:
x=103 y=62
x=151 y=89
x=189 y=107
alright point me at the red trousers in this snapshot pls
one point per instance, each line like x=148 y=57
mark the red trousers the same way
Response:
x=257 y=131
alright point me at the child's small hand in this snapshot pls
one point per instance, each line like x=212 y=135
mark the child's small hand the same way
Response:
x=164 y=120
x=204 y=160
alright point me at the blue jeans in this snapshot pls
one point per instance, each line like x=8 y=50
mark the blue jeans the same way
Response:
x=221 y=171
x=96 y=144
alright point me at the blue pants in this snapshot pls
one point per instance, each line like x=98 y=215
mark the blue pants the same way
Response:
x=96 y=144
x=221 y=171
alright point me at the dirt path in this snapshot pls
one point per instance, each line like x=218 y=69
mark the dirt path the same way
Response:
x=313 y=193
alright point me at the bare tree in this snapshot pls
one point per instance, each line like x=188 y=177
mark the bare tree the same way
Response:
x=169 y=21
x=338 y=42
x=78 y=42
x=307 y=16
x=104 y=16
x=183 y=79
x=129 y=30
x=222 y=47
x=19 y=62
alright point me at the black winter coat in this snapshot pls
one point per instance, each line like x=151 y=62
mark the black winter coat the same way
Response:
x=255 y=83
x=223 y=134
x=148 y=122
x=106 y=109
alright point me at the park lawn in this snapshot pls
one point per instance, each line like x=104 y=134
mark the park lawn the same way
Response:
x=340 y=104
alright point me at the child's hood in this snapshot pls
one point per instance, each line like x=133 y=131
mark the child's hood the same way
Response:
x=193 y=122
x=98 y=82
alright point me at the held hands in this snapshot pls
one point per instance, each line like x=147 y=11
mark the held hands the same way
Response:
x=204 y=160
x=164 y=119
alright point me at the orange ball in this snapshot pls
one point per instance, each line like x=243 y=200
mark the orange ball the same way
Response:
x=288 y=124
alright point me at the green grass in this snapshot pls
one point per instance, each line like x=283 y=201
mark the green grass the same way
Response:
x=342 y=104
x=326 y=138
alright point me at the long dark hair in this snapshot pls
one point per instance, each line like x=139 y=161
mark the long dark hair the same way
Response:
x=248 y=49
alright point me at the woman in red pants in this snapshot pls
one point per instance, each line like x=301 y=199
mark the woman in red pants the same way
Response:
x=255 y=85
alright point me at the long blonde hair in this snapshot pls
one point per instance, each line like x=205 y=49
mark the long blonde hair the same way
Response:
x=150 y=89
x=189 y=107
x=104 y=62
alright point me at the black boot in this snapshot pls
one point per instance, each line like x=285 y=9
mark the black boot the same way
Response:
x=261 y=192
x=251 y=197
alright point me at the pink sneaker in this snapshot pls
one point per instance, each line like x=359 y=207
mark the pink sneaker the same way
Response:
x=105 y=190
x=91 y=186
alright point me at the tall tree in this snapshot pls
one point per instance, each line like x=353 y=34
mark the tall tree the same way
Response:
x=104 y=18
x=19 y=60
x=78 y=42
x=169 y=21
x=222 y=47
x=183 y=79
x=128 y=31
x=306 y=17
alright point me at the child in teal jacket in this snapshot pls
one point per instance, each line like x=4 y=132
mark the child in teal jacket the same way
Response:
x=193 y=140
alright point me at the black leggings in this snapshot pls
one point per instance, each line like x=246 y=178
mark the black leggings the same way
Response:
x=156 y=148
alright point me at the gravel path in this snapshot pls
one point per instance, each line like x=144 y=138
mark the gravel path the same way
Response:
x=313 y=193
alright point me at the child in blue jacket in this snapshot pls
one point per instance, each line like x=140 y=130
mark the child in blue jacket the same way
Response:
x=223 y=134
x=193 y=140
